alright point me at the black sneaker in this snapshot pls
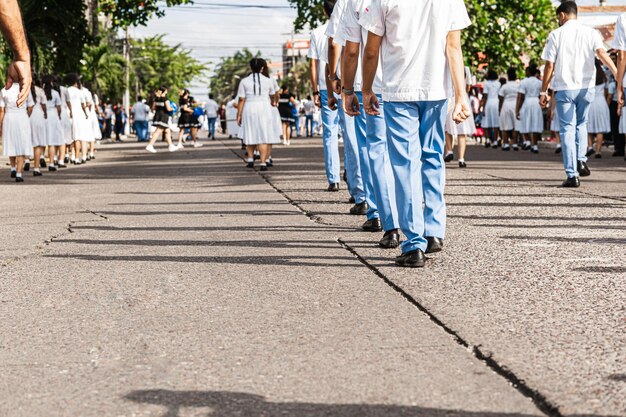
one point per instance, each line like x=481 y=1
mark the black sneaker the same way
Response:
x=414 y=259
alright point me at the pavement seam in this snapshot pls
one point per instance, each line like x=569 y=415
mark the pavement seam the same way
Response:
x=540 y=401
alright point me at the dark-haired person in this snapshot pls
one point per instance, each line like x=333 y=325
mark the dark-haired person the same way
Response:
x=54 y=128
x=255 y=113
x=162 y=109
x=81 y=129
x=599 y=114
x=39 y=126
x=318 y=54
x=528 y=111
x=15 y=130
x=619 y=43
x=415 y=107
x=570 y=55
x=66 y=122
x=286 y=104
x=508 y=99
x=95 y=134
x=140 y=112
x=211 y=109
x=490 y=105
x=186 y=114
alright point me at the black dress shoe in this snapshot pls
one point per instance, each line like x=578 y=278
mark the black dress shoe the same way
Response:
x=462 y=164
x=37 y=174
x=19 y=179
x=257 y=157
x=345 y=176
x=250 y=165
x=61 y=165
x=13 y=174
x=391 y=240
x=571 y=182
x=352 y=200
x=52 y=168
x=414 y=259
x=263 y=168
x=598 y=156
x=270 y=163
x=27 y=166
x=558 y=150
x=333 y=188
x=449 y=157
x=590 y=152
x=359 y=209
x=42 y=162
x=373 y=225
x=615 y=154
x=434 y=245
x=583 y=169
x=66 y=160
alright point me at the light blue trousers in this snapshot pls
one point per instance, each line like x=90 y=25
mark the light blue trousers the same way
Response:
x=573 y=111
x=360 y=127
x=352 y=161
x=330 y=135
x=416 y=139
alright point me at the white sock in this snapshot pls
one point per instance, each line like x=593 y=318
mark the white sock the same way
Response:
x=558 y=146
x=250 y=160
x=37 y=170
x=449 y=153
x=19 y=175
x=13 y=169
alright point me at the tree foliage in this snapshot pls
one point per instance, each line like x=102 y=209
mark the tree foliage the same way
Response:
x=229 y=72
x=125 y=13
x=502 y=31
x=103 y=67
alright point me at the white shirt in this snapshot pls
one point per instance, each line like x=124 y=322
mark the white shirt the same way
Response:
x=76 y=98
x=8 y=99
x=319 y=51
x=352 y=31
x=572 y=48
x=509 y=91
x=333 y=29
x=211 y=109
x=54 y=101
x=619 y=42
x=256 y=87
x=140 y=112
x=414 y=42
x=530 y=87
x=309 y=107
x=491 y=89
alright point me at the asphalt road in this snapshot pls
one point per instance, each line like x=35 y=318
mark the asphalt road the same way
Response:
x=182 y=284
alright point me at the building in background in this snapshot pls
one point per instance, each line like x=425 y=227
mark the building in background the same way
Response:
x=294 y=51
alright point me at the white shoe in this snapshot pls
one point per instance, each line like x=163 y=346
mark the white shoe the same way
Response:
x=197 y=145
x=173 y=148
x=180 y=146
x=288 y=143
x=151 y=149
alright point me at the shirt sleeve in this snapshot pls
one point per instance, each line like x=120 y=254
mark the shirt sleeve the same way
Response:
x=241 y=93
x=373 y=18
x=335 y=18
x=352 y=31
x=486 y=88
x=459 y=17
x=313 y=52
x=619 y=42
x=598 y=42
x=57 y=98
x=550 y=51
x=522 y=87
x=3 y=103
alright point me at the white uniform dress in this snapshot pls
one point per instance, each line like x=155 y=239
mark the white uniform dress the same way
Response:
x=97 y=132
x=468 y=127
x=599 y=112
x=555 y=125
x=508 y=118
x=89 y=131
x=492 y=118
x=278 y=121
x=66 y=121
x=16 y=132
x=81 y=129
x=54 y=133
x=231 y=119
x=531 y=113
x=258 y=120
x=38 y=122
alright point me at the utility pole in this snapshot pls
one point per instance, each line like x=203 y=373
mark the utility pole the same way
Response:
x=127 y=77
x=93 y=9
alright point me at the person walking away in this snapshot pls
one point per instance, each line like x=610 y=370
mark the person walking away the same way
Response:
x=570 y=68
x=599 y=114
x=66 y=121
x=490 y=104
x=528 y=111
x=508 y=102
x=54 y=128
x=309 y=111
x=140 y=113
x=221 y=114
x=96 y=133
x=286 y=104
x=619 y=43
x=15 y=129
x=231 y=119
x=39 y=126
x=211 y=108
x=162 y=109
x=423 y=39
x=196 y=122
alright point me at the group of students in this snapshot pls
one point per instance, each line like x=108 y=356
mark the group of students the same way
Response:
x=58 y=116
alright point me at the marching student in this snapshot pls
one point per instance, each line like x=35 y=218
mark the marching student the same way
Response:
x=81 y=129
x=66 y=124
x=382 y=214
x=508 y=101
x=619 y=44
x=211 y=108
x=54 y=128
x=186 y=115
x=599 y=114
x=39 y=126
x=423 y=39
x=94 y=132
x=161 y=121
x=528 y=111
x=490 y=104
x=318 y=55
x=15 y=129
x=570 y=68
x=255 y=115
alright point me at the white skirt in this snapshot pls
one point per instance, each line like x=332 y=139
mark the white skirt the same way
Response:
x=39 y=126
x=54 y=134
x=231 y=122
x=258 y=125
x=81 y=127
x=467 y=128
x=66 y=124
x=492 y=118
x=599 y=120
x=97 y=133
x=531 y=116
x=88 y=129
x=16 y=134
x=508 y=117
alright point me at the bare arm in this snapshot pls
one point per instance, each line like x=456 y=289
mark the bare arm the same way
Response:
x=454 y=52
x=371 y=57
x=59 y=110
x=548 y=73
x=334 y=52
x=500 y=103
x=315 y=81
x=242 y=101
x=621 y=71
x=350 y=64
x=603 y=55
x=13 y=30
x=518 y=105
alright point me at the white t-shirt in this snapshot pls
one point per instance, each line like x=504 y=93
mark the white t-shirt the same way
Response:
x=211 y=109
x=619 y=42
x=140 y=112
x=309 y=107
x=352 y=31
x=572 y=48
x=414 y=42
x=255 y=87
x=333 y=29
x=319 y=51
x=530 y=87
x=509 y=91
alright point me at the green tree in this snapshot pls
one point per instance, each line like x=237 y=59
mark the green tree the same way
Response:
x=103 y=68
x=125 y=13
x=229 y=72
x=299 y=79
